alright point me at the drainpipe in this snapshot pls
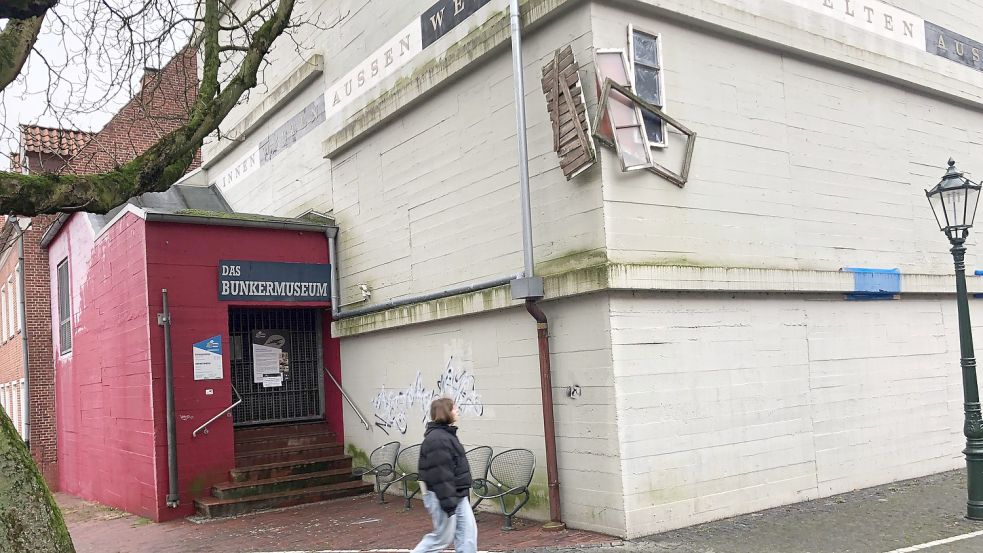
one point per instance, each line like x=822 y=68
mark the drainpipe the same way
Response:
x=25 y=356
x=337 y=314
x=549 y=424
x=164 y=320
x=530 y=288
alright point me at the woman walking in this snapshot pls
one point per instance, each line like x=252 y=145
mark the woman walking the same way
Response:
x=445 y=480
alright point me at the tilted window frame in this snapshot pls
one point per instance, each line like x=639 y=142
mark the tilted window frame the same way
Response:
x=602 y=110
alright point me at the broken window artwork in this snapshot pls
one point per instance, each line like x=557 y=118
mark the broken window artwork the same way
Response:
x=645 y=55
x=568 y=113
x=631 y=95
x=620 y=124
x=612 y=94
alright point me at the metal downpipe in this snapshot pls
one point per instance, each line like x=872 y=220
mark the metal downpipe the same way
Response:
x=164 y=320
x=549 y=423
x=332 y=235
x=520 y=121
x=542 y=324
x=337 y=314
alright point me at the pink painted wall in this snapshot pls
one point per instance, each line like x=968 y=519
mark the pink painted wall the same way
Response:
x=105 y=422
x=184 y=259
x=112 y=425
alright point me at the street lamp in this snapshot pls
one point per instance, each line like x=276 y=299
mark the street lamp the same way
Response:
x=953 y=202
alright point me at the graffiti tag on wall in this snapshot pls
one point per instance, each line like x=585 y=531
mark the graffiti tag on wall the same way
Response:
x=393 y=408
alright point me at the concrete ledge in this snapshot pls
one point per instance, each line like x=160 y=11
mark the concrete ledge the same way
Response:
x=655 y=278
x=271 y=104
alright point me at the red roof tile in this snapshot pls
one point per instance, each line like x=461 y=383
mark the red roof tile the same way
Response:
x=62 y=142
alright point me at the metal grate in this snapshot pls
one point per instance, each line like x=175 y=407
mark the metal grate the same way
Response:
x=301 y=396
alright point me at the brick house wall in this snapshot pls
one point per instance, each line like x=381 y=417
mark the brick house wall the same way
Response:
x=161 y=106
x=11 y=344
x=40 y=358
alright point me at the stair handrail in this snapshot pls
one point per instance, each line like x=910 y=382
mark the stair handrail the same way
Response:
x=216 y=417
x=365 y=423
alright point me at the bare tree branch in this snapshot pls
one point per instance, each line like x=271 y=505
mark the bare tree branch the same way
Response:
x=165 y=162
x=25 y=9
x=16 y=42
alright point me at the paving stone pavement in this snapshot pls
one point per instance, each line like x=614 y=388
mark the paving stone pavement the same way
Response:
x=358 y=523
x=911 y=516
x=903 y=517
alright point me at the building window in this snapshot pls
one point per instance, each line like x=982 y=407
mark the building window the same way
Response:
x=621 y=123
x=645 y=53
x=12 y=305
x=64 y=309
x=5 y=330
x=20 y=324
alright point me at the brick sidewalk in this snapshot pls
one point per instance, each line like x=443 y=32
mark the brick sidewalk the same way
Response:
x=355 y=524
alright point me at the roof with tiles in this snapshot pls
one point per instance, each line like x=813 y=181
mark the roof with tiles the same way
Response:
x=46 y=140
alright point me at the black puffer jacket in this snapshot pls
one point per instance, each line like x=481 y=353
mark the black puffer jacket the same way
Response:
x=443 y=466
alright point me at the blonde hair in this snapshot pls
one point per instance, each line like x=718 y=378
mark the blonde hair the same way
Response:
x=440 y=410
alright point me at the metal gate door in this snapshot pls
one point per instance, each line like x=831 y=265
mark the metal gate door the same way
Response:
x=301 y=395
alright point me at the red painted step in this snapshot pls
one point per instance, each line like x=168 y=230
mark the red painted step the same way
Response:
x=279 y=442
x=272 y=431
x=214 y=507
x=232 y=490
x=288 y=468
x=295 y=453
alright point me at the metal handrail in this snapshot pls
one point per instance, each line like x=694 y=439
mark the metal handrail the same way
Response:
x=216 y=417
x=344 y=395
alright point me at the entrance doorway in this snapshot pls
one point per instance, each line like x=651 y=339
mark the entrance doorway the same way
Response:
x=298 y=393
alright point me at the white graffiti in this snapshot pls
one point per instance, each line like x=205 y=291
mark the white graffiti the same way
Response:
x=459 y=386
x=393 y=407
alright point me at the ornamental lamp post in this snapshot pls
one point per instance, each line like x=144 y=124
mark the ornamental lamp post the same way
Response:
x=954 y=202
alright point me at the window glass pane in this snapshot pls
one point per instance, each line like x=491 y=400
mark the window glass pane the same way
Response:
x=632 y=149
x=647 y=85
x=12 y=304
x=653 y=128
x=646 y=49
x=16 y=295
x=64 y=309
x=63 y=306
x=612 y=65
x=622 y=110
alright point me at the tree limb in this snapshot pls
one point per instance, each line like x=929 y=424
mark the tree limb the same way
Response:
x=165 y=162
x=29 y=517
x=16 y=41
x=25 y=9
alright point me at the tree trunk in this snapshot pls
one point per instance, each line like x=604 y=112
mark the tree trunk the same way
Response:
x=29 y=517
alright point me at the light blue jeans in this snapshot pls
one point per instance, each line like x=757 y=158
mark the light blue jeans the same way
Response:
x=459 y=527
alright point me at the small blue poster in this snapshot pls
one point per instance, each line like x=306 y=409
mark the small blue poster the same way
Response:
x=208 y=359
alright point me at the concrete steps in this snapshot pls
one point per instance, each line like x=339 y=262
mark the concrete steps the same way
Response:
x=287 y=468
x=285 y=454
x=233 y=490
x=213 y=507
x=280 y=466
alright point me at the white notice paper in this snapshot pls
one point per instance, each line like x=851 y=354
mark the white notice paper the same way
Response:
x=207 y=359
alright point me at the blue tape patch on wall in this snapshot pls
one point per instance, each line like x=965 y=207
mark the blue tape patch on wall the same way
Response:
x=978 y=273
x=874 y=284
